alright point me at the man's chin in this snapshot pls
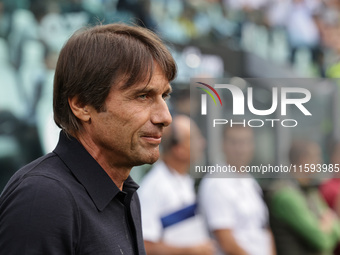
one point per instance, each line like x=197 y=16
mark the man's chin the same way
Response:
x=148 y=159
x=152 y=159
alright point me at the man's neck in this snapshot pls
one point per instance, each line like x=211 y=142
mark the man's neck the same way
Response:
x=118 y=174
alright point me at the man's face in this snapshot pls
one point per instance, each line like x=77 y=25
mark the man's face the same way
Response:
x=129 y=132
x=239 y=146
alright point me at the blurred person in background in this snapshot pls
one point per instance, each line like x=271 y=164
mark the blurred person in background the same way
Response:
x=170 y=221
x=233 y=206
x=110 y=89
x=330 y=189
x=301 y=221
x=327 y=18
x=303 y=32
x=329 y=24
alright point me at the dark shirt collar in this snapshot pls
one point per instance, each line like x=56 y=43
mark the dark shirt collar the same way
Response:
x=89 y=173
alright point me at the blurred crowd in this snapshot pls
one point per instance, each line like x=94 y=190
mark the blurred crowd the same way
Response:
x=290 y=217
x=231 y=213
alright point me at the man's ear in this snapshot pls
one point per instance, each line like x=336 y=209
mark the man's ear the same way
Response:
x=79 y=110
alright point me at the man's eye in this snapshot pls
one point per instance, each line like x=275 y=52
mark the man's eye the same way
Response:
x=144 y=96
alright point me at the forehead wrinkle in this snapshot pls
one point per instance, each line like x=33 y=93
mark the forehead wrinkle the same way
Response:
x=143 y=85
x=154 y=87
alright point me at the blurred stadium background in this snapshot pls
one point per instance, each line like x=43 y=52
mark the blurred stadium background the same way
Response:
x=208 y=38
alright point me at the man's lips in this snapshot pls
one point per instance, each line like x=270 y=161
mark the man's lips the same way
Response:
x=152 y=138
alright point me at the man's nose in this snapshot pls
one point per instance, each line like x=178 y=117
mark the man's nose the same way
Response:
x=160 y=114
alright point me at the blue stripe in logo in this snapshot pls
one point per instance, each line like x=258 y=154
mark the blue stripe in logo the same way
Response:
x=179 y=215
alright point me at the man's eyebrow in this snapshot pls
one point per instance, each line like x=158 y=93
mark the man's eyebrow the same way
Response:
x=145 y=89
x=148 y=89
